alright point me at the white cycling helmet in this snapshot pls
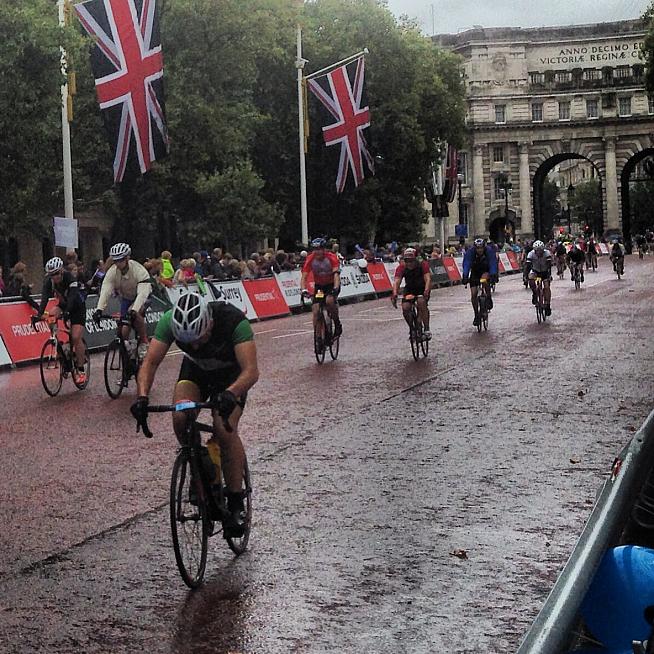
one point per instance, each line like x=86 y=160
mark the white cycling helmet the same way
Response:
x=479 y=242
x=539 y=245
x=409 y=253
x=120 y=251
x=54 y=265
x=191 y=317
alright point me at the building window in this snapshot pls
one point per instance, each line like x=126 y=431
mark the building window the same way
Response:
x=463 y=167
x=624 y=107
x=498 y=154
x=537 y=78
x=564 y=111
x=537 y=112
x=650 y=104
x=563 y=76
x=500 y=113
x=498 y=192
x=622 y=71
x=592 y=109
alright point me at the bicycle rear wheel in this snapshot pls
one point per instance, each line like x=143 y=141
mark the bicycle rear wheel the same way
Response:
x=238 y=544
x=87 y=368
x=115 y=369
x=577 y=282
x=189 y=522
x=51 y=367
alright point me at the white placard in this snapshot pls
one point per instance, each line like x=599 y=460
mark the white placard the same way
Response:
x=65 y=232
x=289 y=283
x=5 y=359
x=355 y=281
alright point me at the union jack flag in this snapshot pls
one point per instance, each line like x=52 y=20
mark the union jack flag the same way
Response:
x=343 y=98
x=128 y=67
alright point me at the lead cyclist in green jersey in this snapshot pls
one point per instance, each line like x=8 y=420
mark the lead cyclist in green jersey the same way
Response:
x=220 y=364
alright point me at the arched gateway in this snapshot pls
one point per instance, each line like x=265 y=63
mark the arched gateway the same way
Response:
x=537 y=97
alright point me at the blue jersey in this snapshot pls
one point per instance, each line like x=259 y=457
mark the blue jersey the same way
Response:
x=471 y=255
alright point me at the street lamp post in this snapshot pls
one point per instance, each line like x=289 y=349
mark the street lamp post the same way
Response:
x=571 y=194
x=459 y=179
x=506 y=187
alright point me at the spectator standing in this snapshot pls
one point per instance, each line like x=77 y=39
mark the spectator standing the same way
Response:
x=94 y=283
x=18 y=287
x=167 y=269
x=268 y=266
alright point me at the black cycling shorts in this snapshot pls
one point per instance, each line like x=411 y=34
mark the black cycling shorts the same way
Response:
x=476 y=281
x=327 y=289
x=413 y=290
x=210 y=382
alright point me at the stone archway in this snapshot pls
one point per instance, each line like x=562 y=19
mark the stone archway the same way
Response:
x=625 y=196
x=501 y=227
x=543 y=225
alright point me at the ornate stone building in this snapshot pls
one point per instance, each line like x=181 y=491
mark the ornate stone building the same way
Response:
x=538 y=97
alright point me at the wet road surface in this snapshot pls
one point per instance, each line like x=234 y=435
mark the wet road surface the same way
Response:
x=369 y=474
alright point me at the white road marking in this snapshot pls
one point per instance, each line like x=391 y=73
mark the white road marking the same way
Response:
x=265 y=331
x=307 y=331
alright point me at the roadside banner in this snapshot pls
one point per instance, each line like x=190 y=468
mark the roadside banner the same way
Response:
x=452 y=271
x=23 y=342
x=458 y=262
x=266 y=297
x=506 y=262
x=438 y=273
x=289 y=283
x=390 y=269
x=5 y=359
x=234 y=293
x=604 y=248
x=513 y=260
x=355 y=282
x=500 y=266
x=379 y=277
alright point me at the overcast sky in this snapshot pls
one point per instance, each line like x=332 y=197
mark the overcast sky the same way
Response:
x=457 y=15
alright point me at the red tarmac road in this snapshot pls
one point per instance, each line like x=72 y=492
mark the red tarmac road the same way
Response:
x=371 y=470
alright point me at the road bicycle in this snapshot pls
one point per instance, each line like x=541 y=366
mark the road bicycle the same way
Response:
x=419 y=344
x=482 y=304
x=323 y=331
x=57 y=361
x=198 y=499
x=618 y=266
x=576 y=276
x=121 y=360
x=541 y=316
x=560 y=267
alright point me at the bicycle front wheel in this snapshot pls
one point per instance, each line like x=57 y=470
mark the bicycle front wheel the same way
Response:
x=51 y=368
x=238 y=544
x=334 y=343
x=319 y=334
x=414 y=337
x=115 y=369
x=81 y=385
x=189 y=521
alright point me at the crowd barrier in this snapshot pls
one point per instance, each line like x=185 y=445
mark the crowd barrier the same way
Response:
x=259 y=299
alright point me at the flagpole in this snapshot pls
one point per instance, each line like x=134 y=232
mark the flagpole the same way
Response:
x=342 y=62
x=299 y=64
x=65 y=125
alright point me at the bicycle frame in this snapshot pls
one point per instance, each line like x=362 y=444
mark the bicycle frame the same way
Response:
x=483 y=295
x=323 y=330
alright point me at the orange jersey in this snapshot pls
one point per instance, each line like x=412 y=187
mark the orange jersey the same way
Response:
x=323 y=269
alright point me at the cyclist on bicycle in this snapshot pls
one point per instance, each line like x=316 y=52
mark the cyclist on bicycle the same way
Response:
x=479 y=262
x=131 y=281
x=560 y=253
x=62 y=285
x=617 y=256
x=417 y=282
x=327 y=278
x=575 y=259
x=539 y=264
x=220 y=364
x=591 y=252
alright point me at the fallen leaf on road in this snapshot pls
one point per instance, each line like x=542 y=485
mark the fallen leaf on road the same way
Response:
x=460 y=554
x=581 y=393
x=575 y=460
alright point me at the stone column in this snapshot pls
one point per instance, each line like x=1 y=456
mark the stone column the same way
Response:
x=478 y=226
x=612 y=217
x=525 y=190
